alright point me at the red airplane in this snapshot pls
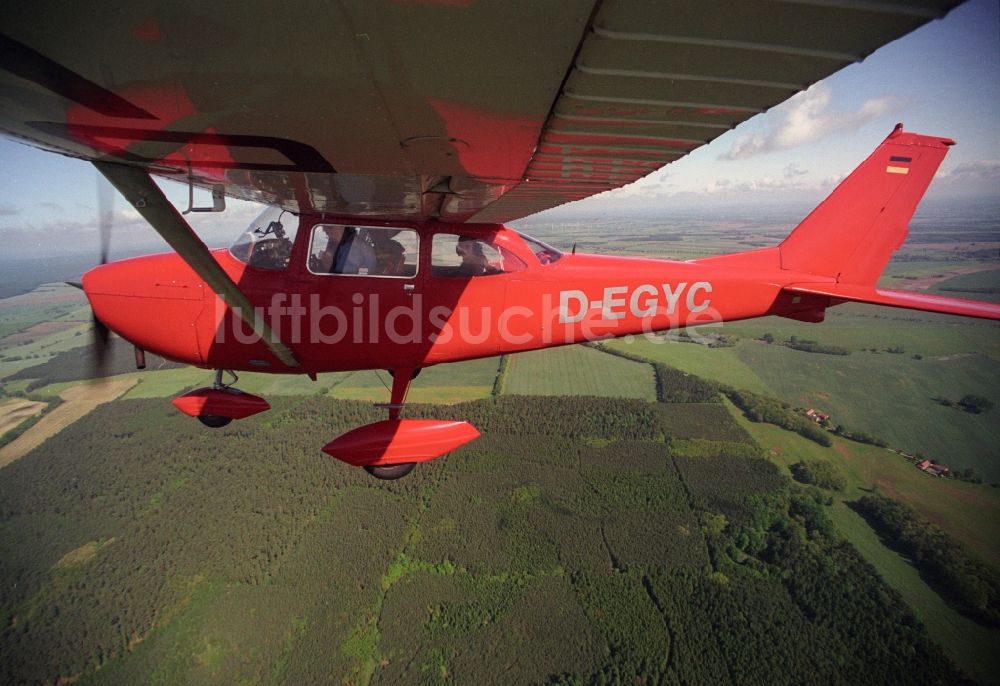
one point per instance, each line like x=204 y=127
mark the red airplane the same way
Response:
x=385 y=247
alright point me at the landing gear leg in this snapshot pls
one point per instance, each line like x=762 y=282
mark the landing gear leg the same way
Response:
x=401 y=379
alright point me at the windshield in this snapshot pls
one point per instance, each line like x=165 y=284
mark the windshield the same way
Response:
x=546 y=254
x=267 y=242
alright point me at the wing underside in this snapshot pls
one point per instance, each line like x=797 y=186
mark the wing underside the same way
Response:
x=454 y=110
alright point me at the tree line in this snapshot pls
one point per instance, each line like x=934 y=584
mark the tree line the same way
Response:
x=971 y=585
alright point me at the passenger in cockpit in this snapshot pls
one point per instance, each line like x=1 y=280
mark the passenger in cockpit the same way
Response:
x=389 y=253
x=356 y=254
x=473 y=260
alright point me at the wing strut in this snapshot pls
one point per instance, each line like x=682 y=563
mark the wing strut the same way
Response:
x=139 y=189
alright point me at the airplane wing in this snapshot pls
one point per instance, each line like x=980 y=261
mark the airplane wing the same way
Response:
x=459 y=110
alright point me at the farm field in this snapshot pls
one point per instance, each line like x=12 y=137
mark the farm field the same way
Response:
x=979 y=285
x=23 y=350
x=718 y=364
x=448 y=383
x=904 y=411
x=46 y=303
x=577 y=370
x=78 y=401
x=958 y=359
x=444 y=383
x=13 y=412
x=856 y=327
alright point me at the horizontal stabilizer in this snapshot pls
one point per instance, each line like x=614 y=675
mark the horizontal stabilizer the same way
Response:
x=908 y=299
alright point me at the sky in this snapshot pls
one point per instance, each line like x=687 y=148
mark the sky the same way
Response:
x=943 y=79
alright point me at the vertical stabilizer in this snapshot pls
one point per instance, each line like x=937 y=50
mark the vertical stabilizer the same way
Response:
x=853 y=233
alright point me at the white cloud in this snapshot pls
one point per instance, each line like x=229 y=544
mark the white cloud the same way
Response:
x=793 y=170
x=978 y=171
x=656 y=185
x=980 y=177
x=833 y=180
x=8 y=210
x=804 y=118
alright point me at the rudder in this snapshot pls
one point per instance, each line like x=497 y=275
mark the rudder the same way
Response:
x=852 y=234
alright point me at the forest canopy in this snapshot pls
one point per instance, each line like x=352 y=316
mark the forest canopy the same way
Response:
x=580 y=540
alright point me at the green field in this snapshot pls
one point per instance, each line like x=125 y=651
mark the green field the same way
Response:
x=578 y=370
x=49 y=302
x=448 y=383
x=445 y=383
x=564 y=371
x=167 y=383
x=903 y=412
x=718 y=364
x=970 y=513
x=856 y=327
x=55 y=303
x=898 y=272
x=890 y=396
x=982 y=285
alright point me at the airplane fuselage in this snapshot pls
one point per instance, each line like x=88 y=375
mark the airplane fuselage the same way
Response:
x=338 y=322
x=334 y=294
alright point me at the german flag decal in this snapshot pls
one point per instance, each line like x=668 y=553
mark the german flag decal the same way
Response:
x=899 y=165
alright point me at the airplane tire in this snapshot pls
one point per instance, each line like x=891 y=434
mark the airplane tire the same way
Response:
x=388 y=472
x=214 y=421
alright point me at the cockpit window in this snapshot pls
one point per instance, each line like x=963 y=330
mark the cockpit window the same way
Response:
x=467 y=256
x=363 y=251
x=546 y=254
x=267 y=243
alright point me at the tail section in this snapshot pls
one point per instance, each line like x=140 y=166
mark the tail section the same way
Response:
x=847 y=241
x=839 y=251
x=852 y=234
